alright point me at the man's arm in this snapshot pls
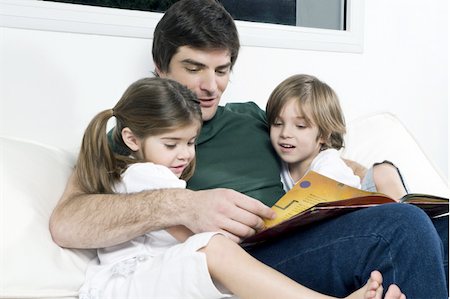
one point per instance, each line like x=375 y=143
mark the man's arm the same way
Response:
x=82 y=220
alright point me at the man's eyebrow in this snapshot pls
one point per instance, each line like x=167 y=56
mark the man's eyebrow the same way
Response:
x=193 y=62
x=224 y=66
x=199 y=64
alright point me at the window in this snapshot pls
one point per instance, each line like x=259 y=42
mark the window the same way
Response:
x=328 y=14
x=65 y=17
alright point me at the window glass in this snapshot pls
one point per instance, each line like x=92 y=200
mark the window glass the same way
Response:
x=146 y=5
x=329 y=14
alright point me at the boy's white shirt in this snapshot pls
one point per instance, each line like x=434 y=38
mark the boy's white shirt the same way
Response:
x=328 y=163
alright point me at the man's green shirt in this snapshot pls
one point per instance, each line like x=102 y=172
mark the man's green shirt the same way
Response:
x=234 y=151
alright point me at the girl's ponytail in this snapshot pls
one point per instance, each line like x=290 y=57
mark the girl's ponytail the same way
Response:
x=96 y=167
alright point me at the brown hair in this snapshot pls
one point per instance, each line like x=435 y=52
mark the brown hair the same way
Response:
x=150 y=106
x=199 y=24
x=320 y=98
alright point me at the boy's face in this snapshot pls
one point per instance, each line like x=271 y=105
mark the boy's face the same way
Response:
x=206 y=73
x=294 y=139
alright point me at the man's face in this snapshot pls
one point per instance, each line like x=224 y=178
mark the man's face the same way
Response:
x=206 y=73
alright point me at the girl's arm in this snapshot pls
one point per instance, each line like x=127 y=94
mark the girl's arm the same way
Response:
x=180 y=232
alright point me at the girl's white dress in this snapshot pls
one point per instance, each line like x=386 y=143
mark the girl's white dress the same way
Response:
x=154 y=265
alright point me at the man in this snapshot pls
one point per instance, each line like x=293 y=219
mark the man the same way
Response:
x=196 y=44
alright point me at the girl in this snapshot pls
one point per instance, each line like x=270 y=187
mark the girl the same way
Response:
x=307 y=130
x=158 y=121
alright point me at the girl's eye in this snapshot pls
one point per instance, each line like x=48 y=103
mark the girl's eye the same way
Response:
x=277 y=124
x=171 y=146
x=192 y=141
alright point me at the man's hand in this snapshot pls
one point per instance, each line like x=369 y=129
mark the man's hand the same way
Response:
x=232 y=213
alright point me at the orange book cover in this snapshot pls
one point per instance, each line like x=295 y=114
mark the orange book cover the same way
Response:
x=316 y=197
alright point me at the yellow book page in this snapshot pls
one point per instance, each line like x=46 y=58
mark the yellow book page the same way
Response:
x=311 y=190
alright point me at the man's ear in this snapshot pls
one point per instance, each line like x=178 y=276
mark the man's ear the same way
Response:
x=130 y=139
x=157 y=71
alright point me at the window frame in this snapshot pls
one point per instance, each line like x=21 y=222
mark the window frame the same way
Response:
x=74 y=18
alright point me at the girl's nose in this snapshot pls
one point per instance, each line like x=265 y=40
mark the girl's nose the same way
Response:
x=185 y=153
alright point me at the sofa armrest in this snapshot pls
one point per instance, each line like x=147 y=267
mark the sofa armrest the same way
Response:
x=32 y=178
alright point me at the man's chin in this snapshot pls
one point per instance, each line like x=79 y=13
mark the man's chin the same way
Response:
x=208 y=113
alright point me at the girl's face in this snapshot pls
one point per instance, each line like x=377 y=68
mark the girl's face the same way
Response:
x=174 y=149
x=294 y=140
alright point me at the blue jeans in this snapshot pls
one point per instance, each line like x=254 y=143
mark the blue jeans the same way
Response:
x=441 y=225
x=336 y=257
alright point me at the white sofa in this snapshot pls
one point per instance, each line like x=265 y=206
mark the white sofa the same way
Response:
x=33 y=176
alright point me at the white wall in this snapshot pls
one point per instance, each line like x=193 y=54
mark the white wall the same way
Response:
x=403 y=69
x=52 y=83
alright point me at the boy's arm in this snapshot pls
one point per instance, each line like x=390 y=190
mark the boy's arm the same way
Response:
x=357 y=168
x=82 y=220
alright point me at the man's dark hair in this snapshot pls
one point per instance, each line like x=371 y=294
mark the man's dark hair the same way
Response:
x=200 y=24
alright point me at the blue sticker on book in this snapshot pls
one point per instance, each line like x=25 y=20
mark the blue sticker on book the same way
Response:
x=305 y=184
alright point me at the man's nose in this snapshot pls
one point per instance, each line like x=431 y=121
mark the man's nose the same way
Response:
x=209 y=81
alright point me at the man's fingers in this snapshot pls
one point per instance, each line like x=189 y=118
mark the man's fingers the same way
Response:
x=246 y=214
x=252 y=213
x=249 y=222
x=255 y=207
x=228 y=211
x=237 y=230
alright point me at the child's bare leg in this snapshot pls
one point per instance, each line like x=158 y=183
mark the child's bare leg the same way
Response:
x=388 y=181
x=248 y=278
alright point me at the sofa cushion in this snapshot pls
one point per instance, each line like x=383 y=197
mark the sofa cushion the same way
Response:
x=382 y=136
x=32 y=178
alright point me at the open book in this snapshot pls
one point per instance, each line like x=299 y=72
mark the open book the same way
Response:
x=316 y=197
